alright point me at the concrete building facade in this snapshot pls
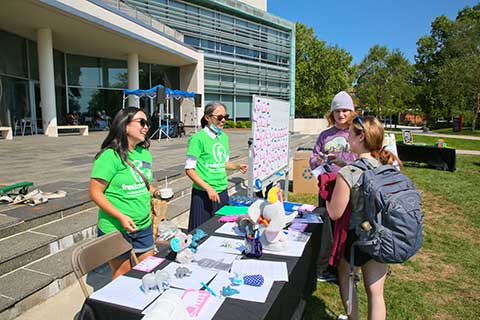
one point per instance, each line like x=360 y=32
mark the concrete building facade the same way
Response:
x=59 y=57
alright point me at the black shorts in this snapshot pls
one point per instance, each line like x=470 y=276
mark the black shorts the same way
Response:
x=360 y=257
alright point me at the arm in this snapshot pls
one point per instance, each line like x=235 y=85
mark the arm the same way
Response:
x=315 y=157
x=339 y=200
x=97 y=186
x=236 y=166
x=193 y=175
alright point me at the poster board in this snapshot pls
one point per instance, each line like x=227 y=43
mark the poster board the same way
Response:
x=269 y=152
x=390 y=143
x=407 y=136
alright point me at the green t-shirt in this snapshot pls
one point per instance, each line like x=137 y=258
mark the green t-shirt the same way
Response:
x=125 y=190
x=211 y=154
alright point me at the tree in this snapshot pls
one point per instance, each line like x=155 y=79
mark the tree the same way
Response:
x=321 y=71
x=448 y=66
x=384 y=81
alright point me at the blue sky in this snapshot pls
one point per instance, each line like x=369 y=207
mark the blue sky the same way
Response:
x=358 y=25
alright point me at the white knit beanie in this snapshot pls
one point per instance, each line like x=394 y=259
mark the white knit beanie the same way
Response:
x=342 y=100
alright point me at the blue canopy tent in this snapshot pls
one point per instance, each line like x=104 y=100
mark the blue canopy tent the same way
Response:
x=152 y=94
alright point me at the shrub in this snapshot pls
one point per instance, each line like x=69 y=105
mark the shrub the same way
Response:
x=229 y=124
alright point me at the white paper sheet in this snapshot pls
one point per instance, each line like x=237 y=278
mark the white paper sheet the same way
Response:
x=208 y=311
x=308 y=218
x=220 y=244
x=193 y=281
x=125 y=291
x=248 y=293
x=230 y=228
x=275 y=270
x=296 y=244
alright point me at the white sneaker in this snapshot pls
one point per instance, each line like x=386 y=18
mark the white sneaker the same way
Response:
x=342 y=317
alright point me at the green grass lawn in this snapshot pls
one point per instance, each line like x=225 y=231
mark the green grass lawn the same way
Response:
x=459 y=144
x=465 y=131
x=443 y=280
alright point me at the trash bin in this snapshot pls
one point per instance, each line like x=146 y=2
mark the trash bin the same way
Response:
x=303 y=179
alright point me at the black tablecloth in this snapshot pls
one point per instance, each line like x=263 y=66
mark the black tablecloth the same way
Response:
x=282 y=301
x=442 y=158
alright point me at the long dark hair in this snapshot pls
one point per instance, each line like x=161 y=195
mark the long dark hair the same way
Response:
x=117 y=137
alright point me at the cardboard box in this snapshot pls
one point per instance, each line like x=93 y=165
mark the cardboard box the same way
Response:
x=303 y=180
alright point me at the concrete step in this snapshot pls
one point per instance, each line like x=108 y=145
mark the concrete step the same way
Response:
x=34 y=283
x=25 y=247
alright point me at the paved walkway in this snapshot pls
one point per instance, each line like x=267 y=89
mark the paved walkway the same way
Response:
x=53 y=161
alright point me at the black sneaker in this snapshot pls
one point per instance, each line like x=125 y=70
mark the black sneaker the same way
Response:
x=326 y=276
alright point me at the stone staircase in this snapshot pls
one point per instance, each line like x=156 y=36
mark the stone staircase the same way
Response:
x=36 y=243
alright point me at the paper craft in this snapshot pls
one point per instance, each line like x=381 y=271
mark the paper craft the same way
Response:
x=296 y=226
x=225 y=245
x=148 y=264
x=246 y=292
x=230 y=228
x=208 y=311
x=275 y=270
x=125 y=291
x=195 y=300
x=214 y=260
x=191 y=282
x=231 y=211
x=308 y=218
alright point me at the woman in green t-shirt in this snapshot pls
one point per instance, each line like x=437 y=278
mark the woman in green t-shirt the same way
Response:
x=207 y=161
x=120 y=190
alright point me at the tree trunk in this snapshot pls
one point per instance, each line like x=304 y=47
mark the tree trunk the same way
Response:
x=475 y=114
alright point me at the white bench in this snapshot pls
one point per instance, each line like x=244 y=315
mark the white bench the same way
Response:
x=6 y=132
x=83 y=129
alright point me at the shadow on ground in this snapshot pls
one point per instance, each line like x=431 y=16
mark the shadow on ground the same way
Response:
x=316 y=309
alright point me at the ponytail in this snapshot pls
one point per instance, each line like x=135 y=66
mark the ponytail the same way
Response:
x=386 y=157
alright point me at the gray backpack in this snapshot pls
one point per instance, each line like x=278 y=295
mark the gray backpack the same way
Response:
x=393 y=232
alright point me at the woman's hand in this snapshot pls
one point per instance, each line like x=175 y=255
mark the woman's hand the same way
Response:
x=156 y=194
x=128 y=223
x=213 y=195
x=322 y=158
x=243 y=168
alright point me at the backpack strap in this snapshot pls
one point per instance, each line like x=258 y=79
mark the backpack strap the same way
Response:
x=369 y=203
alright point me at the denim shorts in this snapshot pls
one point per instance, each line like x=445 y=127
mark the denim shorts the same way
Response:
x=141 y=240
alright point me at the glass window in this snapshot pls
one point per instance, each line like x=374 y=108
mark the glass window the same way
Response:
x=211 y=97
x=143 y=73
x=227 y=100
x=115 y=73
x=211 y=76
x=226 y=48
x=191 y=41
x=13 y=55
x=242 y=108
x=84 y=71
x=59 y=68
x=88 y=102
x=33 y=59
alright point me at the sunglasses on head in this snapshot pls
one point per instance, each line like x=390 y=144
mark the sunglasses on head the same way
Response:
x=143 y=122
x=360 y=122
x=220 y=117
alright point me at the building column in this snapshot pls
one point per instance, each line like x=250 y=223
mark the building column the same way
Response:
x=133 y=79
x=192 y=80
x=47 y=82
